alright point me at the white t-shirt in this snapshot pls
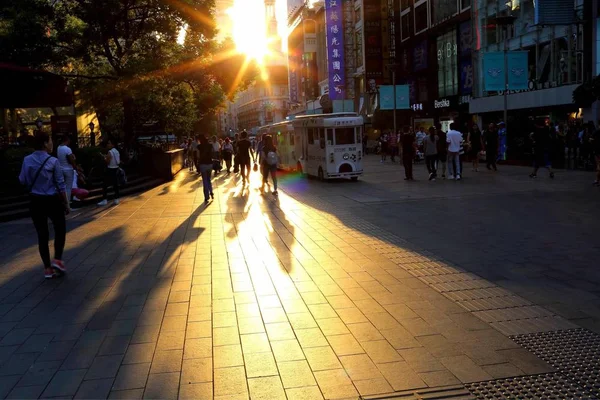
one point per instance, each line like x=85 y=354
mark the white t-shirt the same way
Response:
x=63 y=152
x=115 y=160
x=454 y=138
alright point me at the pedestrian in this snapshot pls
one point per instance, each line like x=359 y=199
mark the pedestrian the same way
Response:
x=190 y=154
x=409 y=148
x=541 y=148
x=383 y=142
x=205 y=162
x=269 y=160
x=236 y=164
x=111 y=177
x=216 y=154
x=365 y=142
x=393 y=146
x=430 y=146
x=442 y=150
x=227 y=154
x=454 y=139
x=42 y=175
x=475 y=145
x=195 y=144
x=66 y=159
x=244 y=154
x=260 y=144
x=490 y=139
x=502 y=141
x=596 y=148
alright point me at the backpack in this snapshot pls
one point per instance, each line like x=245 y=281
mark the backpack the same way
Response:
x=272 y=158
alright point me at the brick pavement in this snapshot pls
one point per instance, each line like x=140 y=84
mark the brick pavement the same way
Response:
x=335 y=290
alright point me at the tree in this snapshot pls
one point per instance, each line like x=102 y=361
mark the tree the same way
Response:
x=124 y=54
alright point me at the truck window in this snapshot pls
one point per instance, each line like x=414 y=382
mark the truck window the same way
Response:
x=330 y=137
x=311 y=138
x=322 y=137
x=344 y=136
x=291 y=138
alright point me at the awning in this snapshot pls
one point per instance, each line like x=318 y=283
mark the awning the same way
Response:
x=29 y=88
x=561 y=95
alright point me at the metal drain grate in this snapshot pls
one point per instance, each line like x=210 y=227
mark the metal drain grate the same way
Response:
x=546 y=386
x=574 y=353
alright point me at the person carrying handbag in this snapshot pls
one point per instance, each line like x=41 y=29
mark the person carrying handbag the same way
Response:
x=111 y=173
x=42 y=175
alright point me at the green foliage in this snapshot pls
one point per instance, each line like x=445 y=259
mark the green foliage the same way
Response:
x=126 y=52
x=89 y=157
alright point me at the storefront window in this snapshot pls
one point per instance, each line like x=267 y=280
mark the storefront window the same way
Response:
x=447 y=54
x=421 y=16
x=406 y=24
x=442 y=10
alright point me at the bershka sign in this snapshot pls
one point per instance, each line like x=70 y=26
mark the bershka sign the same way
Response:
x=443 y=103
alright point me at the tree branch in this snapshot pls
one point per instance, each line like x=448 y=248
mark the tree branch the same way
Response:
x=99 y=77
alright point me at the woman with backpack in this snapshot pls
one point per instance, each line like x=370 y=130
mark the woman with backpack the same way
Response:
x=42 y=175
x=269 y=160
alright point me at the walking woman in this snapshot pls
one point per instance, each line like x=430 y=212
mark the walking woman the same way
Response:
x=269 y=160
x=430 y=144
x=205 y=162
x=42 y=175
x=66 y=159
x=475 y=143
x=227 y=153
x=111 y=177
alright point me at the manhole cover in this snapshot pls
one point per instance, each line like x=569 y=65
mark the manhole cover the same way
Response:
x=546 y=386
x=574 y=353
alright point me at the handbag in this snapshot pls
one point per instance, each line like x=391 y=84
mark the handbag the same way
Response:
x=121 y=177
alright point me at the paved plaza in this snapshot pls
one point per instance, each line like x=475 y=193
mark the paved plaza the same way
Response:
x=484 y=288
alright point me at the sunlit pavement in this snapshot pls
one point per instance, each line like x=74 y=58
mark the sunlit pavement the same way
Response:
x=377 y=288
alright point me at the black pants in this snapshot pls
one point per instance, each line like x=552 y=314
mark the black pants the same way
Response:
x=431 y=162
x=43 y=208
x=490 y=158
x=244 y=167
x=111 y=179
x=407 y=159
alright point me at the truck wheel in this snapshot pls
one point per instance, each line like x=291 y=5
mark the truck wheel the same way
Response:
x=354 y=178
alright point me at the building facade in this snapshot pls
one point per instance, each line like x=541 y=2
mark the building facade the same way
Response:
x=559 y=58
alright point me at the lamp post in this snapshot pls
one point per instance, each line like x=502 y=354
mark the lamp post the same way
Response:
x=506 y=22
x=393 y=68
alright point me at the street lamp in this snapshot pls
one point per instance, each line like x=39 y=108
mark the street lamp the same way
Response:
x=393 y=68
x=506 y=21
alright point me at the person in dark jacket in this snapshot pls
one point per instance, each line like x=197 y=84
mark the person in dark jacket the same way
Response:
x=205 y=150
x=490 y=139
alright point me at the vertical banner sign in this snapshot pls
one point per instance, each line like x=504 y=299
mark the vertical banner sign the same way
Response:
x=293 y=75
x=420 y=55
x=373 y=46
x=402 y=97
x=518 y=77
x=349 y=43
x=493 y=71
x=386 y=97
x=466 y=76
x=335 y=48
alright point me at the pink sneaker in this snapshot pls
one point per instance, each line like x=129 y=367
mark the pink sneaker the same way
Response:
x=59 y=266
x=48 y=273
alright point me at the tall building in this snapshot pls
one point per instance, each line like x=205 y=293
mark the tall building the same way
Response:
x=556 y=36
x=266 y=101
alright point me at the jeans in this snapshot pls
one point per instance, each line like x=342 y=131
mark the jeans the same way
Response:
x=43 y=208
x=245 y=168
x=69 y=175
x=272 y=169
x=110 y=179
x=431 y=162
x=490 y=157
x=205 y=171
x=453 y=163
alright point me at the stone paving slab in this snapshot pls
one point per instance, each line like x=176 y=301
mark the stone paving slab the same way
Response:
x=334 y=290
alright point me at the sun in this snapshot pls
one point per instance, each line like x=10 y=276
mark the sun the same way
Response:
x=248 y=28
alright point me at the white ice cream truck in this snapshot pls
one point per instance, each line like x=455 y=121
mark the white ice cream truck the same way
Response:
x=329 y=146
